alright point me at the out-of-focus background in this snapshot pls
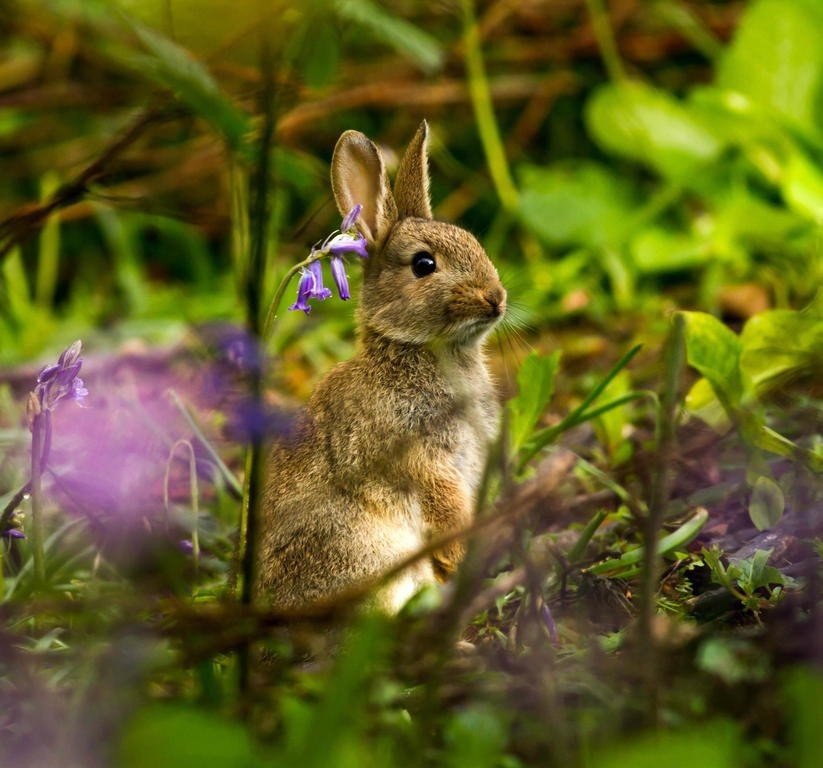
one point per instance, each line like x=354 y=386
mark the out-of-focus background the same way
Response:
x=620 y=160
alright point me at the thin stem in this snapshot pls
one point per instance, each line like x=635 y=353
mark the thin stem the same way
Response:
x=271 y=314
x=194 y=493
x=40 y=426
x=480 y=94
x=260 y=185
x=675 y=354
x=605 y=39
x=229 y=476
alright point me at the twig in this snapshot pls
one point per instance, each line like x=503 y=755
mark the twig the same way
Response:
x=18 y=226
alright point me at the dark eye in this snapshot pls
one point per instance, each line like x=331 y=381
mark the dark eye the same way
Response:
x=423 y=264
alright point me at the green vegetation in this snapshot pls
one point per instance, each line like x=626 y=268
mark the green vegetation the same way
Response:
x=643 y=580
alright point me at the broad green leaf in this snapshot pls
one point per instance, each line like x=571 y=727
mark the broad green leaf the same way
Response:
x=418 y=46
x=610 y=426
x=776 y=61
x=766 y=503
x=714 y=351
x=535 y=381
x=732 y=659
x=802 y=185
x=656 y=250
x=172 y=67
x=576 y=204
x=701 y=401
x=780 y=346
x=715 y=745
x=177 y=736
x=804 y=691
x=475 y=737
x=649 y=126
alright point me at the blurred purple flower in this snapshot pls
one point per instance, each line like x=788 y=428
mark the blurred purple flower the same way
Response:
x=346 y=240
x=57 y=382
x=13 y=533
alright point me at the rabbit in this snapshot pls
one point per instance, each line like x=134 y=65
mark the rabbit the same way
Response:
x=393 y=444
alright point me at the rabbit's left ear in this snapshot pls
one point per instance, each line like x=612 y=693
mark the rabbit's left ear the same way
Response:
x=411 y=187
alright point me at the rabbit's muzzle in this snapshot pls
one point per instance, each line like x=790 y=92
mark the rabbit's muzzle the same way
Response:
x=496 y=300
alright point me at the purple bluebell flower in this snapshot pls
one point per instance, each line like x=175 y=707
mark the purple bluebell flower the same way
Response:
x=303 y=292
x=60 y=381
x=350 y=219
x=318 y=290
x=346 y=240
x=345 y=243
x=13 y=533
x=338 y=272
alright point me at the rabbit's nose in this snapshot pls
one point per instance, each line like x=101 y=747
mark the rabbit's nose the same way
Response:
x=496 y=299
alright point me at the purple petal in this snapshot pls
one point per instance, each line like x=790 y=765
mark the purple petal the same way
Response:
x=70 y=355
x=303 y=292
x=338 y=272
x=13 y=533
x=350 y=218
x=318 y=291
x=348 y=244
x=47 y=373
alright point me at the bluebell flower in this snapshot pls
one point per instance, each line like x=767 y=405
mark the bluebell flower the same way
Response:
x=346 y=240
x=58 y=382
x=338 y=272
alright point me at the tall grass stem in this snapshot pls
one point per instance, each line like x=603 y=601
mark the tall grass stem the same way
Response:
x=480 y=94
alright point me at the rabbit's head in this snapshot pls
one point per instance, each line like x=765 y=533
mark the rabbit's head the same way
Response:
x=425 y=282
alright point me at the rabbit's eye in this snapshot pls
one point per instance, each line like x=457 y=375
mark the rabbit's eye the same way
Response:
x=423 y=264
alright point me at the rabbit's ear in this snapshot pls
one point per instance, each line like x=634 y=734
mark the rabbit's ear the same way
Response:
x=358 y=175
x=411 y=188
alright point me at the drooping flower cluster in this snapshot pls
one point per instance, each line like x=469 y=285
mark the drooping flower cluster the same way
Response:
x=60 y=381
x=346 y=240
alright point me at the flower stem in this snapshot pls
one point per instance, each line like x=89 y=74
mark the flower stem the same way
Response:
x=484 y=111
x=41 y=425
x=271 y=314
x=605 y=40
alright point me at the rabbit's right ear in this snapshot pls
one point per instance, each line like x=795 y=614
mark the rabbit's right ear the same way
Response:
x=358 y=175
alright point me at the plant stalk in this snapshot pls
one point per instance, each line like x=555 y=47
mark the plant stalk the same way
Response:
x=480 y=94
x=674 y=356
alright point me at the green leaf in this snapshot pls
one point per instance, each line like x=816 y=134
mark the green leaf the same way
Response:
x=647 y=125
x=766 y=503
x=781 y=346
x=732 y=659
x=776 y=61
x=475 y=737
x=175 y=736
x=407 y=39
x=804 y=691
x=714 y=351
x=610 y=426
x=535 y=381
x=323 y=55
x=701 y=401
x=714 y=745
x=754 y=572
x=802 y=185
x=576 y=204
x=172 y=67
x=656 y=250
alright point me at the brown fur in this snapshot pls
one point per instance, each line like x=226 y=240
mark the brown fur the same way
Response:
x=393 y=443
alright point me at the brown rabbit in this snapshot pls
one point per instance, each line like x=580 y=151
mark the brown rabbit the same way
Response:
x=391 y=450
